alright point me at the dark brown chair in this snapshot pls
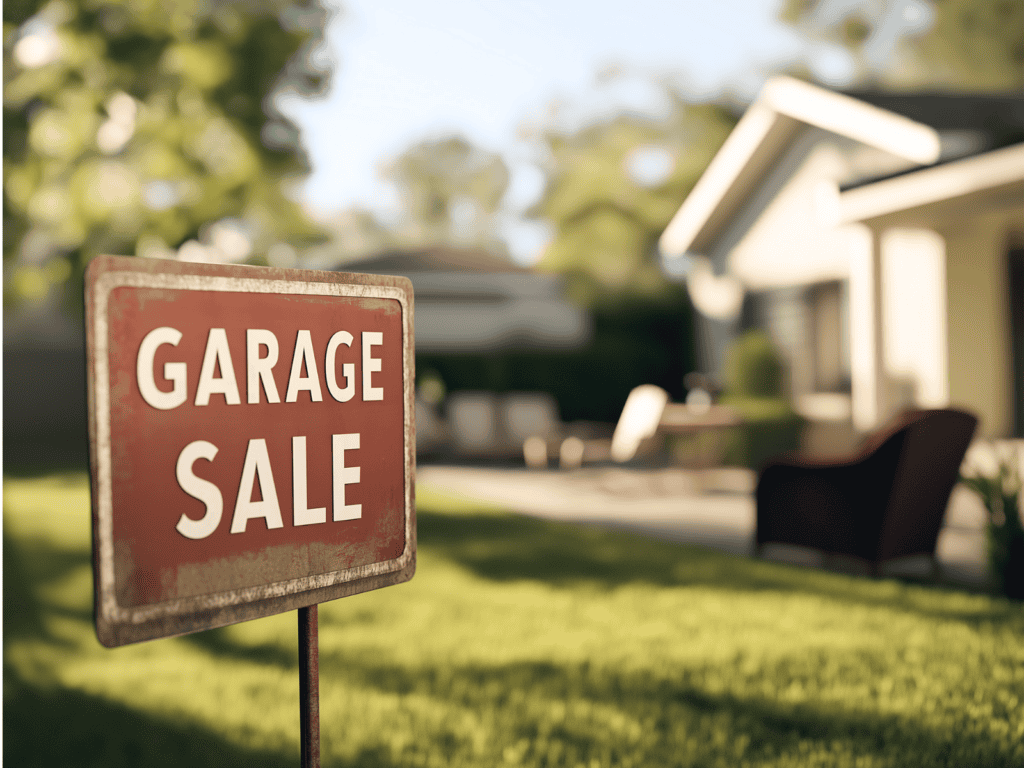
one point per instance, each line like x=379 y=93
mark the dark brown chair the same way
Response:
x=885 y=502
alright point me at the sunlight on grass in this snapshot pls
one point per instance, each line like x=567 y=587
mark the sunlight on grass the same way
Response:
x=519 y=642
x=54 y=510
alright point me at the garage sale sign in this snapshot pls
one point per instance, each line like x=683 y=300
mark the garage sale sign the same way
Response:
x=251 y=435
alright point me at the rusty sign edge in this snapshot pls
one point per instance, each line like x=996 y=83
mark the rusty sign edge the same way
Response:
x=118 y=626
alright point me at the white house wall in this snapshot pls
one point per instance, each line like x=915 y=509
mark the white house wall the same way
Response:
x=915 y=338
x=943 y=335
x=980 y=369
x=790 y=235
x=867 y=396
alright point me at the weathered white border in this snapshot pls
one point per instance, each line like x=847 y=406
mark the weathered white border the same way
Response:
x=104 y=285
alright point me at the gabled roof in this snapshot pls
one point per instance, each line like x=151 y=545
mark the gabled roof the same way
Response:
x=998 y=119
x=782 y=108
x=969 y=124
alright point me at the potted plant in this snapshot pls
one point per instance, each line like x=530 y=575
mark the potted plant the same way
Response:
x=995 y=475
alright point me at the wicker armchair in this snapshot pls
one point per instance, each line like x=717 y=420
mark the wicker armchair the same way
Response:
x=883 y=503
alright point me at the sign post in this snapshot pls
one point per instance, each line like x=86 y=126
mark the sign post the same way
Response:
x=309 y=687
x=251 y=447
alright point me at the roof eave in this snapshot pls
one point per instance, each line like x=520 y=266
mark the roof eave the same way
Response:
x=775 y=116
x=719 y=185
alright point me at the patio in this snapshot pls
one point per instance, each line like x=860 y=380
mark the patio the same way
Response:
x=712 y=508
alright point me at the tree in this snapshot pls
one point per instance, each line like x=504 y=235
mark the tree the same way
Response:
x=976 y=44
x=134 y=126
x=451 y=192
x=612 y=189
x=354 y=233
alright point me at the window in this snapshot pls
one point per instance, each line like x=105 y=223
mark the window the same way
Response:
x=828 y=334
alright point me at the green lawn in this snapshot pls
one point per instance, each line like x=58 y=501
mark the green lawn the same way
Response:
x=518 y=642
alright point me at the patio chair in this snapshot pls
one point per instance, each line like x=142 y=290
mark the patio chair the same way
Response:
x=648 y=412
x=633 y=435
x=885 y=502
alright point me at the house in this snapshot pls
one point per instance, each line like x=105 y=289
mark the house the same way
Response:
x=879 y=239
x=467 y=300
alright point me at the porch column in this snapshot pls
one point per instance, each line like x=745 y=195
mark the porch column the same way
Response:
x=915 y=337
x=866 y=337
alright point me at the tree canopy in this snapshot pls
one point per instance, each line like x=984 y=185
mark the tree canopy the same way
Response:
x=450 y=190
x=612 y=188
x=977 y=44
x=134 y=126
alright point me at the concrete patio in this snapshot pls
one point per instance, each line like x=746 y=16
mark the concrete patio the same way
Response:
x=712 y=508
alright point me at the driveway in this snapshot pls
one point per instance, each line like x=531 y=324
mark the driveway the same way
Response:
x=713 y=508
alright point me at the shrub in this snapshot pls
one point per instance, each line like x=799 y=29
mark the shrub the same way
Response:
x=754 y=373
x=999 y=487
x=753 y=367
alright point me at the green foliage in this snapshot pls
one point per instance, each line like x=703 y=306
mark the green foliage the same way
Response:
x=607 y=210
x=607 y=207
x=451 y=191
x=754 y=373
x=753 y=367
x=1001 y=495
x=976 y=44
x=518 y=642
x=770 y=428
x=131 y=125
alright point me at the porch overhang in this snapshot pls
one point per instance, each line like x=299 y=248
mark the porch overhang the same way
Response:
x=931 y=195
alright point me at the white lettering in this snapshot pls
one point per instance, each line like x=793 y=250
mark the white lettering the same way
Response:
x=259 y=368
x=310 y=382
x=257 y=465
x=371 y=364
x=301 y=514
x=344 y=476
x=217 y=354
x=348 y=370
x=173 y=372
x=200 y=489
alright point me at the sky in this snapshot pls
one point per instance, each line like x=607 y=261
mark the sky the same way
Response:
x=405 y=70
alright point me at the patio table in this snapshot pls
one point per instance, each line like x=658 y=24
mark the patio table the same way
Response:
x=681 y=419
x=693 y=423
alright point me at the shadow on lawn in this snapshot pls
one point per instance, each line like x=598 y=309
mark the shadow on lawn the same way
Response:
x=507 y=547
x=96 y=732
x=218 y=642
x=47 y=455
x=677 y=711
x=23 y=616
x=29 y=565
x=53 y=726
x=47 y=725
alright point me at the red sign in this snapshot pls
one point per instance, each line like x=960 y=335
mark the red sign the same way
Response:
x=251 y=436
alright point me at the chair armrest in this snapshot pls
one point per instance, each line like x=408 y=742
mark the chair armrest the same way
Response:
x=798 y=460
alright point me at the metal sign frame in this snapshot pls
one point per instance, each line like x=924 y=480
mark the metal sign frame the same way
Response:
x=119 y=625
